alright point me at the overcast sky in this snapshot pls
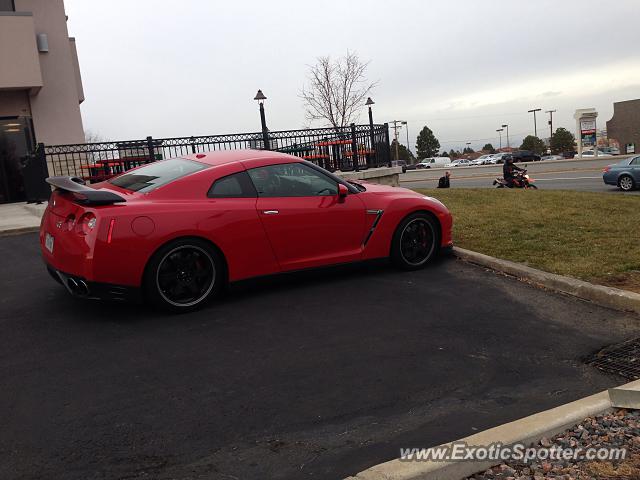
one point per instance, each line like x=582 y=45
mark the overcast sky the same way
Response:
x=463 y=67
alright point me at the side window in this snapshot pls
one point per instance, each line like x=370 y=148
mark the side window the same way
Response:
x=635 y=161
x=291 y=180
x=237 y=185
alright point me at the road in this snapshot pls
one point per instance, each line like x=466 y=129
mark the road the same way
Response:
x=309 y=376
x=581 y=174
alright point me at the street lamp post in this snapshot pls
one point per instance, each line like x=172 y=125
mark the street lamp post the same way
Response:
x=372 y=139
x=468 y=143
x=500 y=133
x=535 y=124
x=507 y=127
x=265 y=133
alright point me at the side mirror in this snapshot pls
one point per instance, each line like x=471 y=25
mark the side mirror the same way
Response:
x=343 y=191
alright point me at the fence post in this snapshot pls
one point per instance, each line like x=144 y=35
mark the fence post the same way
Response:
x=152 y=155
x=387 y=144
x=354 y=148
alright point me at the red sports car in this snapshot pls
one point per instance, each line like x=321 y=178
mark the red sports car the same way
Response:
x=177 y=230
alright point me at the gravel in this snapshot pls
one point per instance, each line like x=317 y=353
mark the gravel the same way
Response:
x=619 y=429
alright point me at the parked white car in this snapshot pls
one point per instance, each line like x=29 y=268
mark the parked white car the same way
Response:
x=463 y=162
x=482 y=160
x=434 y=162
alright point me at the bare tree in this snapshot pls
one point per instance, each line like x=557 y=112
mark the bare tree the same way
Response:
x=93 y=156
x=94 y=137
x=336 y=90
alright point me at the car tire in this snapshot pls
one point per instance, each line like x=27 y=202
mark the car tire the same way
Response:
x=415 y=242
x=626 y=183
x=184 y=275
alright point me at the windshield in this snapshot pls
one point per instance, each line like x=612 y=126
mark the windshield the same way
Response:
x=154 y=175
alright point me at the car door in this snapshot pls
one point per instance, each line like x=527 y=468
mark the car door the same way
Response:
x=307 y=223
x=234 y=225
x=634 y=165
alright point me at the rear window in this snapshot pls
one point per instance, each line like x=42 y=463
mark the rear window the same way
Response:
x=156 y=174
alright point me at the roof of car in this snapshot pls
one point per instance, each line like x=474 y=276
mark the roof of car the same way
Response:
x=221 y=157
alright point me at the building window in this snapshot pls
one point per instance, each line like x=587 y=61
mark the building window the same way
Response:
x=7 y=6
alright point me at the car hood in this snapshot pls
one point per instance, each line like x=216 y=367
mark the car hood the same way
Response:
x=378 y=189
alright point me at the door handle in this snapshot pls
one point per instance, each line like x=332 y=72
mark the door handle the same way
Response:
x=270 y=212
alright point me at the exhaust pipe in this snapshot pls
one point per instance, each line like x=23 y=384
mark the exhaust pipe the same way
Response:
x=78 y=287
x=83 y=288
x=73 y=285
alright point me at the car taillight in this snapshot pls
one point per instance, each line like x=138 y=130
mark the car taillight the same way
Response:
x=606 y=169
x=87 y=223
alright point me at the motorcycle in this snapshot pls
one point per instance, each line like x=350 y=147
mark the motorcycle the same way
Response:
x=521 y=180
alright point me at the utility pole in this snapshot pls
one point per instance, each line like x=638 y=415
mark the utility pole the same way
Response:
x=395 y=135
x=550 y=112
x=406 y=126
x=535 y=124
x=500 y=132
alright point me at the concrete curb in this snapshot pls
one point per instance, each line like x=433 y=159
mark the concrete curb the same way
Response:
x=528 y=430
x=18 y=231
x=606 y=296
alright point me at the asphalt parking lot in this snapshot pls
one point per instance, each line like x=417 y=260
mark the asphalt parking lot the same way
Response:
x=308 y=376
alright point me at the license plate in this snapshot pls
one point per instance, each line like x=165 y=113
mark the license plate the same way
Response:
x=48 y=242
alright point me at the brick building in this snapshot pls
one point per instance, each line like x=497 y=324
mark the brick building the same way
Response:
x=624 y=126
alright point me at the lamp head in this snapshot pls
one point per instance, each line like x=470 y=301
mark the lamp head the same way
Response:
x=260 y=97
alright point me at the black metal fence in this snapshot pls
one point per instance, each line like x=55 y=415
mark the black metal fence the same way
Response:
x=354 y=147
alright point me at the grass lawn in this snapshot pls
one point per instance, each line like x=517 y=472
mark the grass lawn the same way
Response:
x=591 y=236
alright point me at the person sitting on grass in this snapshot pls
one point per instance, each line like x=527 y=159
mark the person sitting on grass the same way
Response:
x=443 y=182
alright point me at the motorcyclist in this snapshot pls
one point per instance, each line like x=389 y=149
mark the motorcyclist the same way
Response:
x=509 y=169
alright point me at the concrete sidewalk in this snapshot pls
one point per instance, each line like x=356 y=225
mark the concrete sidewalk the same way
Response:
x=16 y=218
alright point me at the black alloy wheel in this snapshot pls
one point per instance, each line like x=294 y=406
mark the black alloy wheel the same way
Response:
x=183 y=275
x=415 y=241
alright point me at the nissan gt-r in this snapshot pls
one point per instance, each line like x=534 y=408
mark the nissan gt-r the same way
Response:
x=175 y=231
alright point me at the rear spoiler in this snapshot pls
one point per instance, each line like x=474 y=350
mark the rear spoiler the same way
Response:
x=83 y=193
